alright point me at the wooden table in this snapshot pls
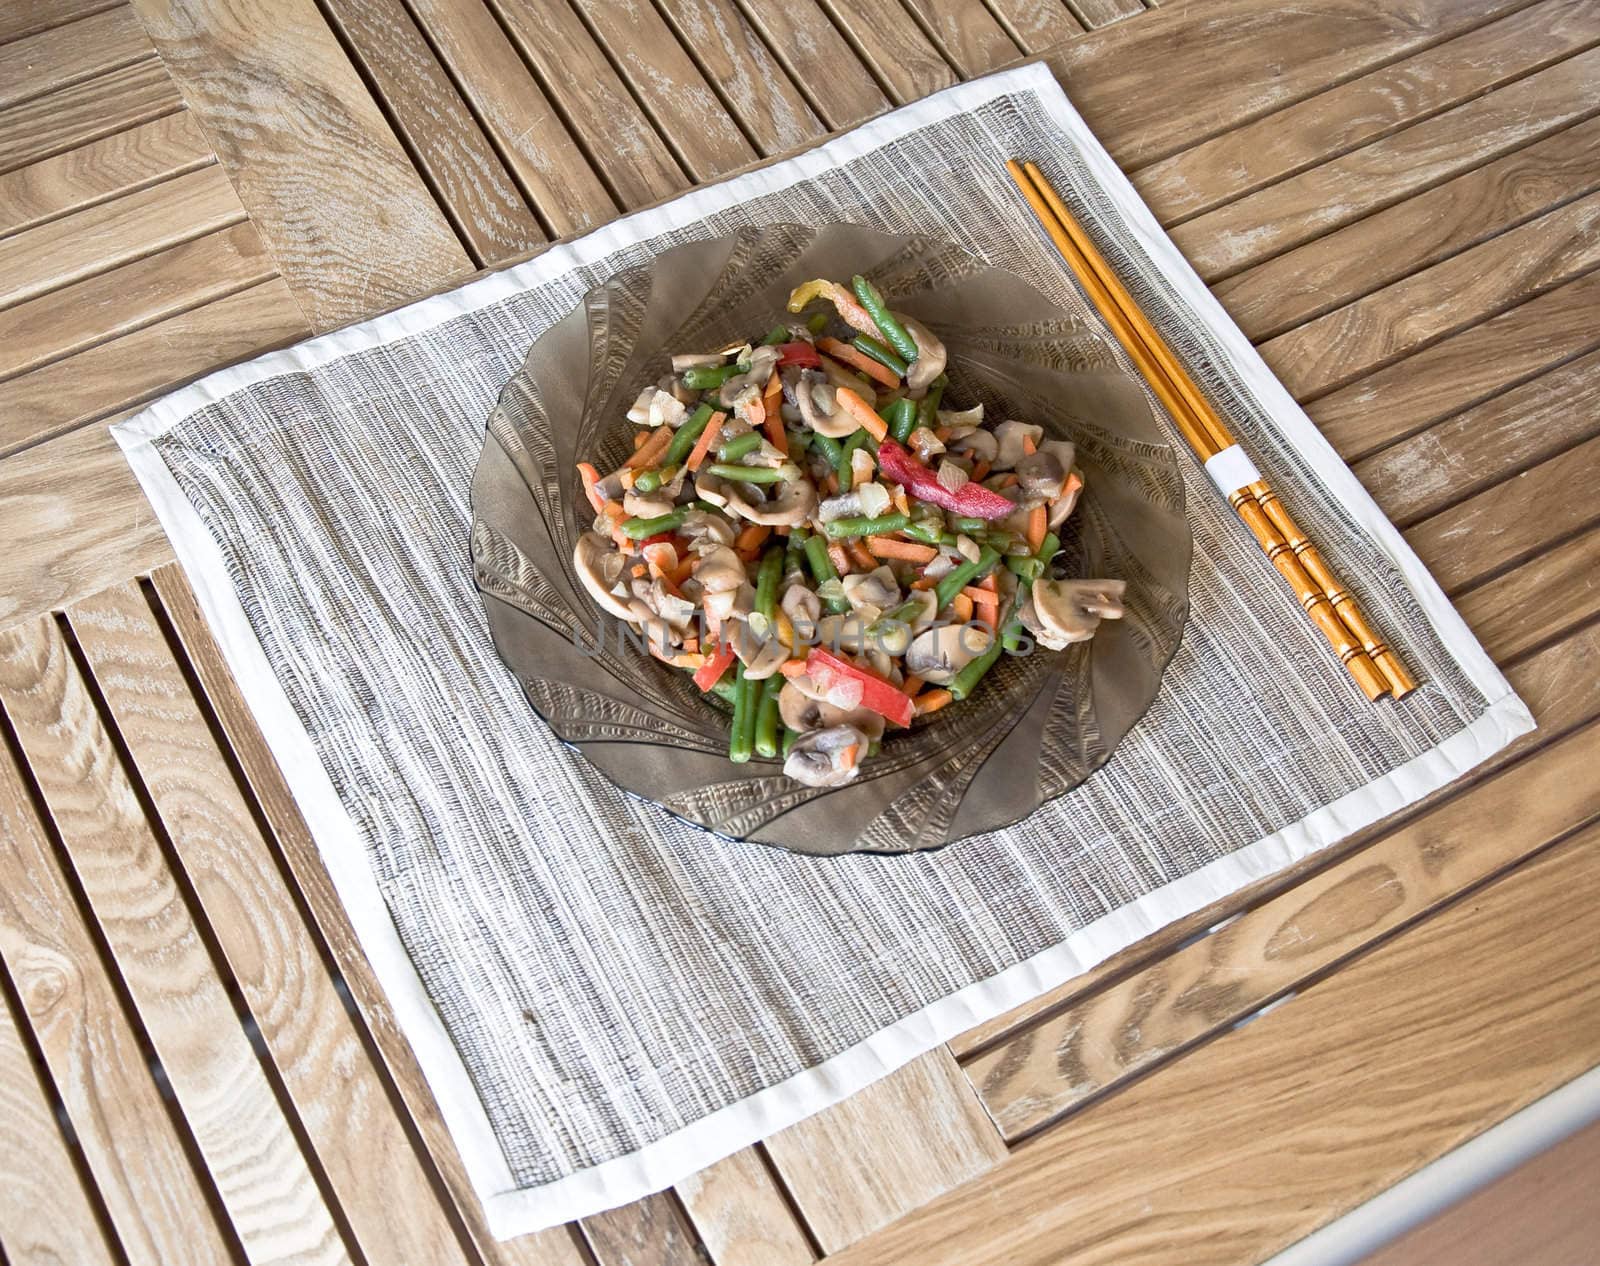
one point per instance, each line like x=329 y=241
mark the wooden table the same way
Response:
x=1399 y=200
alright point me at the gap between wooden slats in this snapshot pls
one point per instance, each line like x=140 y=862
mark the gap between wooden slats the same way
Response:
x=84 y=112
x=69 y=54
x=21 y=18
x=905 y=62
x=273 y=807
x=249 y=1146
x=818 y=59
x=1036 y=25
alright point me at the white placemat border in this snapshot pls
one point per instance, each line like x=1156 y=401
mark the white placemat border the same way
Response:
x=514 y=1211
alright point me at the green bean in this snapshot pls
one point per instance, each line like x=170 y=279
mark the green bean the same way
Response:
x=752 y=474
x=961 y=685
x=737 y=447
x=725 y=689
x=637 y=529
x=902 y=418
x=817 y=322
x=861 y=525
x=972 y=569
x=852 y=442
x=777 y=334
x=742 y=735
x=928 y=406
x=1031 y=566
x=894 y=334
x=647 y=481
x=767 y=578
x=799 y=440
x=766 y=735
x=966 y=523
x=822 y=571
x=827 y=446
x=789 y=739
x=870 y=346
x=925 y=531
x=686 y=435
x=704 y=377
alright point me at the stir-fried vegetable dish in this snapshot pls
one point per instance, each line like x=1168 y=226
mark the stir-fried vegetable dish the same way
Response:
x=808 y=528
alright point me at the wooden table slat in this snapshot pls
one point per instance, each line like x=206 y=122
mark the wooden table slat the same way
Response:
x=648 y=1232
x=886 y=1150
x=352 y=226
x=21 y=18
x=1365 y=109
x=1351 y=262
x=1037 y=24
x=68 y=54
x=56 y=325
x=101 y=170
x=137 y=366
x=248 y=1146
x=881 y=34
x=969 y=36
x=819 y=60
x=157 y=1204
x=1389 y=1057
x=59 y=252
x=1098 y=13
x=1339 y=191
x=741 y=1216
x=84 y=112
x=1519 y=609
x=277 y=808
x=462 y=169
x=1203 y=989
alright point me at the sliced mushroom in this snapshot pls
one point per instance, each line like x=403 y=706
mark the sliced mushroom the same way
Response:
x=647 y=505
x=926 y=445
x=719 y=570
x=1009 y=436
x=817 y=758
x=819 y=408
x=801 y=604
x=762 y=362
x=675 y=611
x=802 y=713
x=600 y=567
x=705 y=531
x=938 y=654
x=930 y=354
x=1040 y=476
x=877 y=588
x=1069 y=611
x=840 y=507
x=761 y=653
x=697 y=360
x=639 y=410
x=977 y=444
x=1061 y=509
x=794 y=500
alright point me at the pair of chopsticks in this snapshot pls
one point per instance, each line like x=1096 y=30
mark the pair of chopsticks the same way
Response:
x=1330 y=606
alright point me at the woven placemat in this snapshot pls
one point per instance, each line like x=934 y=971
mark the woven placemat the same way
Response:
x=603 y=998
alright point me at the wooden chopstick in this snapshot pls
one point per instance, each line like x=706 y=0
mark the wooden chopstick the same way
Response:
x=1325 y=601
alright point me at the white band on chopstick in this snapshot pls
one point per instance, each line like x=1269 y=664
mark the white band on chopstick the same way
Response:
x=1231 y=470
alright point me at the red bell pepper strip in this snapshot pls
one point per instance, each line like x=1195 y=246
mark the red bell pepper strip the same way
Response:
x=799 y=354
x=971 y=499
x=638 y=546
x=710 y=672
x=877 y=694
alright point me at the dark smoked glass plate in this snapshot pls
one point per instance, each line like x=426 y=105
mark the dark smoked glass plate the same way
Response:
x=1039 y=725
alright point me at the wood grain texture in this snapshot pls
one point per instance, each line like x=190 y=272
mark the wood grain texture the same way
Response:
x=675 y=95
x=1390 y=1056
x=1337 y=192
x=156 y=1205
x=1542 y=1213
x=1364 y=109
x=625 y=148
x=1430 y=471
x=254 y=1161
x=886 y=1150
x=1462 y=370
x=1037 y=24
x=46 y=1218
x=818 y=59
x=1098 y=1043
x=1353 y=261
x=73 y=116
x=740 y=1215
x=465 y=174
x=648 y=1232
x=136 y=294
x=134 y=367
x=1098 y=13
x=1287 y=53
x=758 y=89
x=251 y=912
x=1343 y=345
x=970 y=37
x=551 y=170
x=905 y=61
x=59 y=252
x=101 y=170
x=1554 y=592
x=66 y=538
x=67 y=54
x=1512 y=520
x=347 y=218
x=21 y=18
x=271 y=794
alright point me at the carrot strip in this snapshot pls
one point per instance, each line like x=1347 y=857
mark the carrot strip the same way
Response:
x=1006 y=480
x=752 y=536
x=772 y=399
x=860 y=556
x=683 y=571
x=862 y=412
x=591 y=478
x=979 y=470
x=888 y=547
x=1037 y=518
x=651 y=448
x=924 y=582
x=931 y=701
x=988 y=584
x=961 y=608
x=640 y=570
x=860 y=360
x=639 y=438
x=792 y=668
x=913 y=683
x=839 y=559
x=1028 y=446
x=702 y=446
x=847 y=755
